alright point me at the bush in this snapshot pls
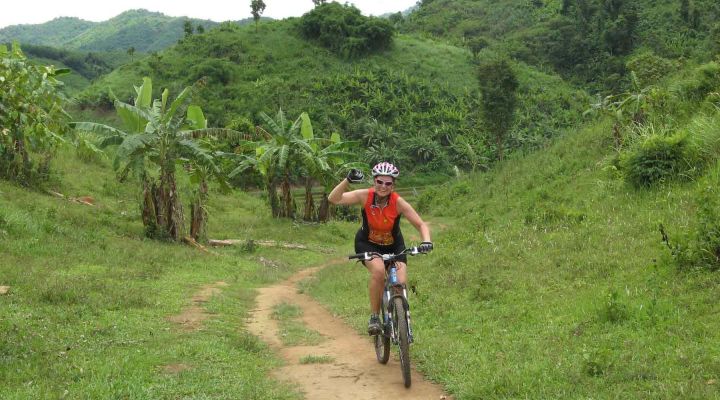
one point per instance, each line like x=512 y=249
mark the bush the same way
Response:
x=650 y=68
x=701 y=247
x=345 y=31
x=704 y=80
x=659 y=158
x=217 y=71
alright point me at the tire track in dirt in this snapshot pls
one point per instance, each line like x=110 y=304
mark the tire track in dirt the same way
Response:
x=354 y=372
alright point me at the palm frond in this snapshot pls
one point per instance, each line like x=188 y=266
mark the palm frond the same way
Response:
x=274 y=127
x=199 y=155
x=182 y=100
x=220 y=133
x=134 y=145
x=282 y=159
x=134 y=118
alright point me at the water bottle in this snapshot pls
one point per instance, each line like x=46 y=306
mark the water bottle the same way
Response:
x=393 y=276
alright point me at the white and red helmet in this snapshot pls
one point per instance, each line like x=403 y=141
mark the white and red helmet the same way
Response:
x=385 y=169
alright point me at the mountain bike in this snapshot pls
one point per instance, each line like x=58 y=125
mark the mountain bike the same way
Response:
x=395 y=312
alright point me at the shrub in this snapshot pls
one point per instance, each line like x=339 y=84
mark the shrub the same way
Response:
x=701 y=247
x=217 y=71
x=703 y=81
x=657 y=159
x=650 y=68
x=345 y=31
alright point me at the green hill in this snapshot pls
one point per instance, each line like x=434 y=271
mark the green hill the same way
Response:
x=552 y=276
x=425 y=91
x=587 y=42
x=144 y=30
x=53 y=33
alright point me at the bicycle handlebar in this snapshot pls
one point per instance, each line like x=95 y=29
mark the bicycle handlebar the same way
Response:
x=369 y=255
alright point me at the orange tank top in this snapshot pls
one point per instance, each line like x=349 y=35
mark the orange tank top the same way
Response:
x=381 y=221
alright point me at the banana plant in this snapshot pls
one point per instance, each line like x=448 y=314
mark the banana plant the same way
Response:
x=276 y=159
x=321 y=160
x=157 y=137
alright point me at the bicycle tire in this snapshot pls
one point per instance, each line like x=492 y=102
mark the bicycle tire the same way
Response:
x=382 y=348
x=382 y=341
x=403 y=339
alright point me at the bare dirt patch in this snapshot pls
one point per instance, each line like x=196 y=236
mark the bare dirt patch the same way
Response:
x=353 y=372
x=192 y=317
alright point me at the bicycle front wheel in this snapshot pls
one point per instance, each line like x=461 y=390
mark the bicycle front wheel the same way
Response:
x=401 y=324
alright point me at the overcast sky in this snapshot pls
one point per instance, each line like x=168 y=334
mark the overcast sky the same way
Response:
x=38 y=11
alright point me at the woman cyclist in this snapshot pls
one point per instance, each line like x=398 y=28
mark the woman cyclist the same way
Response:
x=380 y=231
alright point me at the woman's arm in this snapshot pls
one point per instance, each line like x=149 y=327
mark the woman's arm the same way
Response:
x=340 y=195
x=409 y=212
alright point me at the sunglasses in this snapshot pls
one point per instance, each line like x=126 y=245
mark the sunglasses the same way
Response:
x=381 y=182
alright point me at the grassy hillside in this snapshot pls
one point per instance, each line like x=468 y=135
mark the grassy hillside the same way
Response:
x=550 y=280
x=425 y=91
x=144 y=30
x=588 y=42
x=550 y=276
x=90 y=298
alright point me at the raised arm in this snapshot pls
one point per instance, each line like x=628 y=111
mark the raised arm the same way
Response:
x=409 y=212
x=340 y=195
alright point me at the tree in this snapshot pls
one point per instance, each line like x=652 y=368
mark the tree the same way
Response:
x=321 y=160
x=498 y=85
x=187 y=28
x=32 y=119
x=200 y=29
x=277 y=158
x=344 y=30
x=257 y=8
x=131 y=52
x=685 y=10
x=202 y=166
x=157 y=137
x=319 y=2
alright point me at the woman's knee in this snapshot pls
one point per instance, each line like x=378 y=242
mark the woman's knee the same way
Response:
x=377 y=271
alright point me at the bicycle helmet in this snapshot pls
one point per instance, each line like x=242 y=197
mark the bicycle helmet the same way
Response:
x=385 y=169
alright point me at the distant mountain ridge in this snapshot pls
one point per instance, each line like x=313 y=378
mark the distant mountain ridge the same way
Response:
x=141 y=29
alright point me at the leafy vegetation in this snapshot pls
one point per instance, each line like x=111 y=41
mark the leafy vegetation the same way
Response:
x=498 y=85
x=159 y=136
x=588 y=42
x=430 y=105
x=345 y=31
x=32 y=117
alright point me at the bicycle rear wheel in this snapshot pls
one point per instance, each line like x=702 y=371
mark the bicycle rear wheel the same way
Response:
x=403 y=339
x=382 y=341
x=382 y=348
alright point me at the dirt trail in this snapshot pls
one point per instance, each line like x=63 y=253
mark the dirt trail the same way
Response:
x=354 y=372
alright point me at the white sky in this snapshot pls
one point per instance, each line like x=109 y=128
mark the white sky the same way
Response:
x=39 y=11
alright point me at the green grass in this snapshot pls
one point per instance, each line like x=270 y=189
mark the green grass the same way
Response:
x=86 y=316
x=293 y=332
x=552 y=282
x=311 y=359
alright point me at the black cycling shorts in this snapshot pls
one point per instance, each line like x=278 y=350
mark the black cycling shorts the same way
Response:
x=362 y=245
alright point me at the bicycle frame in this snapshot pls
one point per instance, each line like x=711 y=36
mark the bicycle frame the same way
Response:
x=396 y=328
x=394 y=290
